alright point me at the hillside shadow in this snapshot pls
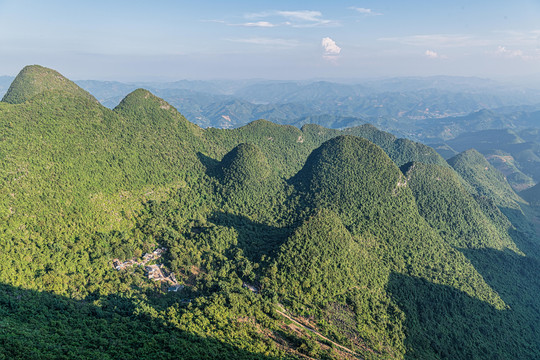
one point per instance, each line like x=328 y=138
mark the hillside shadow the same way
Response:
x=255 y=239
x=442 y=322
x=515 y=278
x=40 y=325
x=524 y=235
x=210 y=164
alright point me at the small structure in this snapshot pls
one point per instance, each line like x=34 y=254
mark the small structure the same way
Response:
x=175 y=288
x=117 y=264
x=251 y=288
x=153 y=272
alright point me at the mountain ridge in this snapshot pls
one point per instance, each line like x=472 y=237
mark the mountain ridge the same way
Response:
x=239 y=216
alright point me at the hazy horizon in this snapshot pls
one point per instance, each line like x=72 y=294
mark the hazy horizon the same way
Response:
x=171 y=40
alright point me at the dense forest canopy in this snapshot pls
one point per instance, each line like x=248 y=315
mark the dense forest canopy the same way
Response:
x=279 y=242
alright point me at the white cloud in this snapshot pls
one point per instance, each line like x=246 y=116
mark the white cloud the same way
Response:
x=306 y=15
x=264 y=24
x=365 y=11
x=516 y=54
x=299 y=18
x=431 y=54
x=501 y=50
x=331 y=49
x=434 y=55
x=526 y=39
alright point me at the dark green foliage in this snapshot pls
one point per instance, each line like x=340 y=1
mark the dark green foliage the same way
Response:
x=487 y=182
x=45 y=326
x=351 y=176
x=358 y=181
x=401 y=151
x=460 y=327
x=323 y=269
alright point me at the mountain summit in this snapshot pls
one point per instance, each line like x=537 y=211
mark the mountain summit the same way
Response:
x=35 y=79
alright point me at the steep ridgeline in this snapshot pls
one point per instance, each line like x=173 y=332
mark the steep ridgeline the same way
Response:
x=355 y=179
x=485 y=179
x=489 y=186
x=165 y=141
x=401 y=151
x=448 y=207
x=291 y=146
x=320 y=221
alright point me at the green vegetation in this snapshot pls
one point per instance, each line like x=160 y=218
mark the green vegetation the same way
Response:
x=35 y=79
x=449 y=208
x=485 y=180
x=322 y=222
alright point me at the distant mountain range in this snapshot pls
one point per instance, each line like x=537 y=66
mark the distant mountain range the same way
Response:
x=400 y=105
x=428 y=109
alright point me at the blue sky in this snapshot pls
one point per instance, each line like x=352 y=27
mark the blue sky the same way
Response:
x=169 y=40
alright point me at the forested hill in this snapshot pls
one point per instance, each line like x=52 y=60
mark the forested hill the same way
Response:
x=374 y=246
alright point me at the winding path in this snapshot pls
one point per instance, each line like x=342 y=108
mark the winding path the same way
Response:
x=318 y=334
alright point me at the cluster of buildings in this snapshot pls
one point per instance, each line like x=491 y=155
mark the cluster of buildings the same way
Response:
x=154 y=272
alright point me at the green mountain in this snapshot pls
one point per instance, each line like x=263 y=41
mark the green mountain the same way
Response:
x=445 y=203
x=358 y=181
x=287 y=242
x=320 y=260
x=485 y=179
x=400 y=151
x=244 y=165
x=349 y=175
x=35 y=79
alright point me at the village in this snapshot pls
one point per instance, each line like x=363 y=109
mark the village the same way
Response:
x=159 y=273
x=154 y=272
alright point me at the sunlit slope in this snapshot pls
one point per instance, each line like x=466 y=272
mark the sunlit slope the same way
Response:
x=449 y=208
x=35 y=79
x=355 y=179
